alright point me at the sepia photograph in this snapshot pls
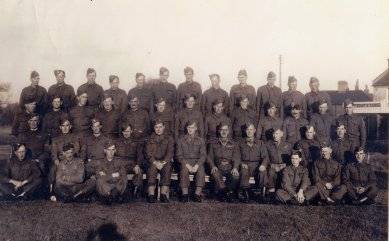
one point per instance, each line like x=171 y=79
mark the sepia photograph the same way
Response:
x=194 y=120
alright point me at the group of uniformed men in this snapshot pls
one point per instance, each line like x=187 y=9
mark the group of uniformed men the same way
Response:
x=78 y=144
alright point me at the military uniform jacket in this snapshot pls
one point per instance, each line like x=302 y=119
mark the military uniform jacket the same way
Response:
x=241 y=117
x=186 y=115
x=219 y=152
x=37 y=93
x=166 y=91
x=267 y=123
x=51 y=123
x=109 y=167
x=95 y=94
x=187 y=88
x=292 y=129
x=129 y=150
x=191 y=150
x=342 y=150
x=20 y=123
x=160 y=148
x=359 y=175
x=60 y=141
x=238 y=91
x=212 y=94
x=295 y=97
x=327 y=171
x=36 y=142
x=294 y=178
x=145 y=97
x=70 y=172
x=278 y=153
x=323 y=124
x=109 y=120
x=81 y=117
x=255 y=153
x=20 y=170
x=355 y=126
x=93 y=145
x=119 y=97
x=266 y=94
x=167 y=117
x=66 y=92
x=140 y=121
x=313 y=98
x=211 y=123
x=310 y=151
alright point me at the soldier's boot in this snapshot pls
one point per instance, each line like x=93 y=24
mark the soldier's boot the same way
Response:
x=245 y=195
x=231 y=197
x=197 y=198
x=151 y=198
x=164 y=199
x=185 y=198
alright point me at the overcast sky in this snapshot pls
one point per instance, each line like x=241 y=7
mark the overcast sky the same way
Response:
x=332 y=40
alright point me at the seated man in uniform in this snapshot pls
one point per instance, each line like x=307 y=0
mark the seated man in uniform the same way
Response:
x=110 y=174
x=92 y=142
x=224 y=160
x=52 y=118
x=254 y=162
x=187 y=114
x=21 y=177
x=159 y=154
x=296 y=186
x=132 y=153
x=70 y=181
x=342 y=146
x=268 y=122
x=292 y=126
x=360 y=180
x=327 y=177
x=309 y=145
x=191 y=154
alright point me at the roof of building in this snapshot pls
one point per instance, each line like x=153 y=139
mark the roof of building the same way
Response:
x=338 y=97
x=382 y=79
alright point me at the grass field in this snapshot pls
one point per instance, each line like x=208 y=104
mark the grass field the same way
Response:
x=43 y=220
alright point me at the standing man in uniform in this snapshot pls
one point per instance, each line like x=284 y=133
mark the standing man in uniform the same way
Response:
x=269 y=93
x=143 y=92
x=191 y=154
x=164 y=89
x=189 y=87
x=269 y=122
x=322 y=122
x=159 y=154
x=214 y=93
x=63 y=90
x=293 y=125
x=224 y=160
x=313 y=97
x=35 y=92
x=242 y=89
x=213 y=120
x=292 y=95
x=118 y=95
x=93 y=90
x=355 y=126
x=186 y=115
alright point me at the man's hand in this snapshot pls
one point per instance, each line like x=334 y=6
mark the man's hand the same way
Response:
x=115 y=175
x=329 y=186
x=24 y=182
x=101 y=173
x=245 y=166
x=195 y=168
x=360 y=190
x=262 y=168
x=53 y=198
x=214 y=170
x=300 y=196
x=189 y=167
x=16 y=183
x=137 y=169
x=56 y=162
x=234 y=172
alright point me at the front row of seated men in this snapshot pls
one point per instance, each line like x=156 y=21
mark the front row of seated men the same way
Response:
x=94 y=164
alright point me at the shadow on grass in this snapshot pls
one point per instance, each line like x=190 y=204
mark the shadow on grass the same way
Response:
x=106 y=232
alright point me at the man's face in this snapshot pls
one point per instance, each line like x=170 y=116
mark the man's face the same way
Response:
x=295 y=160
x=33 y=122
x=310 y=133
x=272 y=111
x=56 y=103
x=349 y=109
x=68 y=154
x=360 y=156
x=215 y=81
x=115 y=83
x=341 y=131
x=242 y=79
x=60 y=77
x=277 y=135
x=189 y=102
x=96 y=127
x=35 y=81
x=188 y=76
x=164 y=76
x=292 y=85
x=323 y=108
x=250 y=131
x=271 y=80
x=30 y=107
x=65 y=127
x=244 y=103
x=110 y=151
x=159 y=128
x=314 y=85
x=191 y=129
x=82 y=99
x=218 y=108
x=161 y=106
x=91 y=77
x=108 y=103
x=140 y=80
x=127 y=132
x=134 y=103
x=326 y=152
x=21 y=153
x=296 y=113
x=224 y=131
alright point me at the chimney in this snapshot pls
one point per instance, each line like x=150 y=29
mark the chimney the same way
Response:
x=342 y=86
